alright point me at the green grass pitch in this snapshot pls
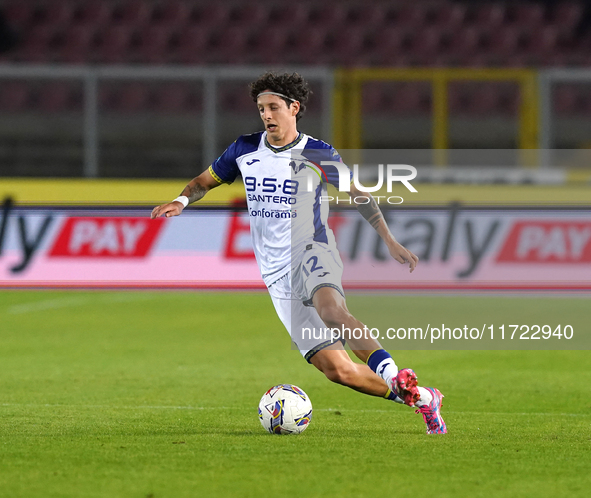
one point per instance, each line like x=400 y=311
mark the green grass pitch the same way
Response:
x=152 y=394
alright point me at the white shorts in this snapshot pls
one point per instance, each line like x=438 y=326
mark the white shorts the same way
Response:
x=292 y=297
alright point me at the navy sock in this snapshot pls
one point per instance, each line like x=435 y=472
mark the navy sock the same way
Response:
x=383 y=365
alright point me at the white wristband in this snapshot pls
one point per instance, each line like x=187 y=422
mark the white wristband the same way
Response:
x=183 y=199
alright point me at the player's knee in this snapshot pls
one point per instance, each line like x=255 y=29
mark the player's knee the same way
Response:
x=343 y=374
x=333 y=315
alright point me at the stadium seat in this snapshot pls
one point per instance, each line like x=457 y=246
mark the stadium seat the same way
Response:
x=324 y=16
x=485 y=99
x=316 y=103
x=247 y=14
x=36 y=45
x=489 y=16
x=346 y=45
x=194 y=99
x=527 y=15
x=268 y=45
x=468 y=100
x=509 y=100
x=134 y=13
x=426 y=43
x=504 y=41
x=448 y=16
x=190 y=46
x=564 y=100
x=19 y=14
x=14 y=96
x=472 y=60
x=332 y=32
x=54 y=14
x=456 y=99
x=152 y=44
x=515 y=60
x=133 y=97
x=411 y=16
x=172 y=98
x=307 y=47
x=559 y=59
x=234 y=97
x=409 y=98
x=459 y=95
x=213 y=15
x=228 y=46
x=113 y=44
x=108 y=97
x=174 y=14
x=566 y=16
x=584 y=106
x=585 y=102
x=55 y=97
x=94 y=13
x=580 y=58
x=367 y=16
x=444 y=59
x=542 y=41
x=390 y=42
x=77 y=41
x=465 y=41
x=374 y=98
x=490 y=98
x=288 y=14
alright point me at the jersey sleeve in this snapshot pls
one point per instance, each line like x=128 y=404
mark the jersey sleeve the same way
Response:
x=225 y=169
x=332 y=173
x=323 y=153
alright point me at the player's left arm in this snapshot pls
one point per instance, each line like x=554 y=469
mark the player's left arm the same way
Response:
x=373 y=214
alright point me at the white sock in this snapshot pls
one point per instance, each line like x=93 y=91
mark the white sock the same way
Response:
x=426 y=397
x=387 y=370
x=383 y=365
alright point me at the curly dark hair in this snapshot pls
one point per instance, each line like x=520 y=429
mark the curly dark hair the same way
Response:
x=292 y=85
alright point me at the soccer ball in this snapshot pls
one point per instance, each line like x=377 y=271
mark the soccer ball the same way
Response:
x=285 y=409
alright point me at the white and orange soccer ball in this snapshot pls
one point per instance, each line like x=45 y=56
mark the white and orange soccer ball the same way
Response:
x=285 y=409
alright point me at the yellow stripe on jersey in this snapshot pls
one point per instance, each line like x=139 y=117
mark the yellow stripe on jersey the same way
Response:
x=216 y=177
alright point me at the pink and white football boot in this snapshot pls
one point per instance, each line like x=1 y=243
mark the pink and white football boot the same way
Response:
x=432 y=414
x=405 y=386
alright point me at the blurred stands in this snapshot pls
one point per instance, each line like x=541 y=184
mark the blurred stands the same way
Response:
x=350 y=32
x=334 y=32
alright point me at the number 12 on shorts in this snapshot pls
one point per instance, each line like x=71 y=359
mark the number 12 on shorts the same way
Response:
x=313 y=264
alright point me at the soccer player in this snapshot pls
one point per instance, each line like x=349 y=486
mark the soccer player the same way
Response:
x=296 y=250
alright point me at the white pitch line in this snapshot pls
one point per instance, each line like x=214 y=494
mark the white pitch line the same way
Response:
x=110 y=407
x=199 y=408
x=47 y=304
x=67 y=302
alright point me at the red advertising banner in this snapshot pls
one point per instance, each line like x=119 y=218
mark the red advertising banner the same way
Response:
x=547 y=242
x=106 y=237
x=211 y=249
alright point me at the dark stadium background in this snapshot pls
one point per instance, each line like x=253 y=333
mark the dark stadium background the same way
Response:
x=135 y=369
x=151 y=126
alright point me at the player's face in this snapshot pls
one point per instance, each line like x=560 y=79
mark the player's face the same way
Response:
x=278 y=118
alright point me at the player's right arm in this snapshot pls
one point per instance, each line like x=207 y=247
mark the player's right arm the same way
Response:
x=372 y=213
x=194 y=191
